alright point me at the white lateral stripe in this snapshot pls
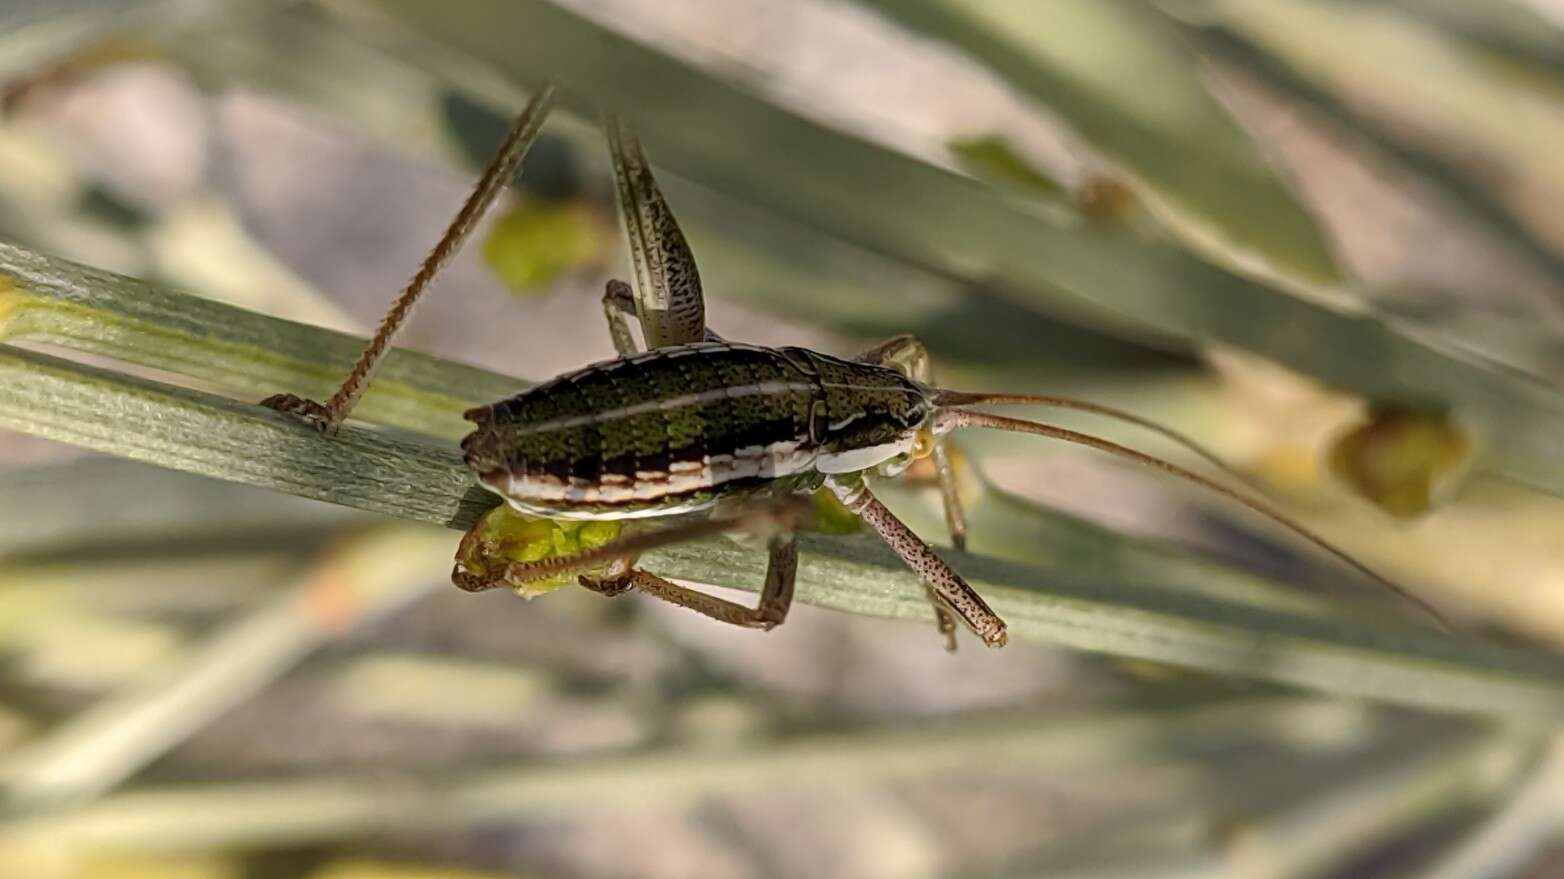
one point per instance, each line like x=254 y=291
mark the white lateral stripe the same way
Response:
x=854 y=460
x=541 y=491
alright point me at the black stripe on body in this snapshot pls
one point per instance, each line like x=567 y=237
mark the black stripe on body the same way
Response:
x=674 y=422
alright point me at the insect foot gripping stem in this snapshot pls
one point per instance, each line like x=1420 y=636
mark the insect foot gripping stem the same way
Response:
x=310 y=412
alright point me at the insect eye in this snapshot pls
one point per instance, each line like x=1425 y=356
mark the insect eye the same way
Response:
x=922 y=445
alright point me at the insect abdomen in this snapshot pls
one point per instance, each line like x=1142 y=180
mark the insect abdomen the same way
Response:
x=664 y=431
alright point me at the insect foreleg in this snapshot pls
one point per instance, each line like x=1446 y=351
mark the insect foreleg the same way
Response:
x=950 y=590
x=908 y=355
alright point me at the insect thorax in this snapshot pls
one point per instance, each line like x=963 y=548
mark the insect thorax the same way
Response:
x=681 y=427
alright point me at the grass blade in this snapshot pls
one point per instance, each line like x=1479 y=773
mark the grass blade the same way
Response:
x=250 y=355
x=376 y=470
x=1432 y=169
x=1137 y=96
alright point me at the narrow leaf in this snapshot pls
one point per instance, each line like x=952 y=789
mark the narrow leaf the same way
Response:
x=376 y=470
x=1137 y=96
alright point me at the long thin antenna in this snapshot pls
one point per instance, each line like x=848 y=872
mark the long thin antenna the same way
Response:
x=953 y=418
x=943 y=397
x=499 y=173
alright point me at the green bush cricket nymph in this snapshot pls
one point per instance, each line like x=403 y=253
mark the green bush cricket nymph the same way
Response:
x=725 y=436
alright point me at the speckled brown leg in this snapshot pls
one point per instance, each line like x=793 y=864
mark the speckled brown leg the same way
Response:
x=907 y=354
x=329 y=415
x=951 y=591
x=775 y=597
x=667 y=284
x=619 y=309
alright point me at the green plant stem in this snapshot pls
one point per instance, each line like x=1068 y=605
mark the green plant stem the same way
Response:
x=373 y=470
x=250 y=355
x=212 y=436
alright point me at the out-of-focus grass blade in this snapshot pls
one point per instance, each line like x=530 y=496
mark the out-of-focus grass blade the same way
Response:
x=113 y=739
x=749 y=254
x=1462 y=103
x=128 y=583
x=376 y=470
x=1516 y=28
x=39 y=31
x=1113 y=72
x=90 y=507
x=1311 y=818
x=739 y=144
x=1470 y=193
x=1410 y=785
x=1513 y=834
x=332 y=806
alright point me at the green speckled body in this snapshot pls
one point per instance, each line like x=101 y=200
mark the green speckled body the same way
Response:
x=681 y=427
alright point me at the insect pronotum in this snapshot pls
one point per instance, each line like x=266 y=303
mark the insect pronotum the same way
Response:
x=732 y=432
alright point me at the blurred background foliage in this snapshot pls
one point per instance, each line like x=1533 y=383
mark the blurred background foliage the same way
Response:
x=1319 y=236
